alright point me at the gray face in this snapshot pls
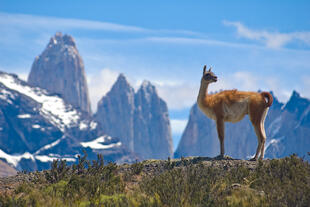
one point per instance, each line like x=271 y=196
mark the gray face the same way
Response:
x=210 y=76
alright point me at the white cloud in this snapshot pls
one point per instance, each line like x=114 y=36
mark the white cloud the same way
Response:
x=26 y=21
x=23 y=76
x=240 y=80
x=195 y=41
x=178 y=126
x=305 y=91
x=31 y=21
x=270 y=39
x=177 y=95
x=99 y=84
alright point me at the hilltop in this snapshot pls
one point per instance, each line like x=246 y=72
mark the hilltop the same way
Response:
x=193 y=181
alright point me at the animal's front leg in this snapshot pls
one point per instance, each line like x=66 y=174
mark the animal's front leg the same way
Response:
x=221 y=134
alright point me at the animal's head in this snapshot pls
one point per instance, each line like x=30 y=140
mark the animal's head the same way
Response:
x=208 y=75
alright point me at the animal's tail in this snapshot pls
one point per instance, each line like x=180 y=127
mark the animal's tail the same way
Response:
x=269 y=97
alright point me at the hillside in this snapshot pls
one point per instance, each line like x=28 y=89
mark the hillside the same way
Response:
x=6 y=170
x=194 y=181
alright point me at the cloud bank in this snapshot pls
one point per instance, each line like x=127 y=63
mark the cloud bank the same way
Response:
x=270 y=39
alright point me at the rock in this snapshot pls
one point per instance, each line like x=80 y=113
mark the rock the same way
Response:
x=60 y=69
x=116 y=111
x=139 y=119
x=152 y=131
x=6 y=170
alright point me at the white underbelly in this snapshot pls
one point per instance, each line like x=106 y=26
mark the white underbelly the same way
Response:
x=235 y=112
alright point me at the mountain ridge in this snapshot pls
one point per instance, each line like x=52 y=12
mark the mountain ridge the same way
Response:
x=38 y=127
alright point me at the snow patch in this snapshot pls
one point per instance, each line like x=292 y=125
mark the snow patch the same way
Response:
x=6 y=95
x=45 y=158
x=83 y=126
x=98 y=143
x=93 y=125
x=273 y=141
x=14 y=159
x=53 y=107
x=275 y=126
x=36 y=126
x=48 y=146
x=24 y=116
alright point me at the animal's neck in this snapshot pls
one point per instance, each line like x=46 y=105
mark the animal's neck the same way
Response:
x=203 y=92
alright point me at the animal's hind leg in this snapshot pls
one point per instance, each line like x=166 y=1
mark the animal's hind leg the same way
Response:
x=221 y=133
x=262 y=129
x=261 y=137
x=259 y=143
x=257 y=118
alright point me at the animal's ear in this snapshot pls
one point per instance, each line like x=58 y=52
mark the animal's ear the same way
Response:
x=204 y=69
x=210 y=69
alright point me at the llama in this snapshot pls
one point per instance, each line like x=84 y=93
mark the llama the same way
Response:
x=232 y=106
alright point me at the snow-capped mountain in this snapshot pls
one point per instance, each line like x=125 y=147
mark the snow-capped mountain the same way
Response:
x=37 y=127
x=287 y=129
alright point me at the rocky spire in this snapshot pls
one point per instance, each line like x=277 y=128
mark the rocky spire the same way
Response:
x=60 y=69
x=152 y=131
x=139 y=119
x=115 y=111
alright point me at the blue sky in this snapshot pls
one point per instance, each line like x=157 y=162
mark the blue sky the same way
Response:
x=251 y=45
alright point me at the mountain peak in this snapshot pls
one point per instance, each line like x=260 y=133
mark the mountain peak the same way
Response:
x=120 y=84
x=121 y=78
x=296 y=104
x=295 y=97
x=295 y=94
x=146 y=84
x=60 y=39
x=147 y=87
x=60 y=69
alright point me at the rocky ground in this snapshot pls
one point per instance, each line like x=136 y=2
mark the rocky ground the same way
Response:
x=148 y=167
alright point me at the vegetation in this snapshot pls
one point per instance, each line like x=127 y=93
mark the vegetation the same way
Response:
x=182 y=182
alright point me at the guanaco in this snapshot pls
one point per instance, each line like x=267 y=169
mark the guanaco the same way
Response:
x=232 y=106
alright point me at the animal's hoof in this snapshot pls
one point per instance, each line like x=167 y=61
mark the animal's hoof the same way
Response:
x=226 y=157
x=253 y=159
x=223 y=157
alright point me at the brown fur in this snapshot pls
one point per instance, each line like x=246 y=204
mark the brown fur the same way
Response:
x=232 y=106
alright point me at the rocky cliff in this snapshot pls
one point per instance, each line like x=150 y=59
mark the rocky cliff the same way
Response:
x=60 y=69
x=116 y=111
x=139 y=119
x=287 y=128
x=152 y=131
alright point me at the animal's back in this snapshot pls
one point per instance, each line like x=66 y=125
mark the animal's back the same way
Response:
x=231 y=105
